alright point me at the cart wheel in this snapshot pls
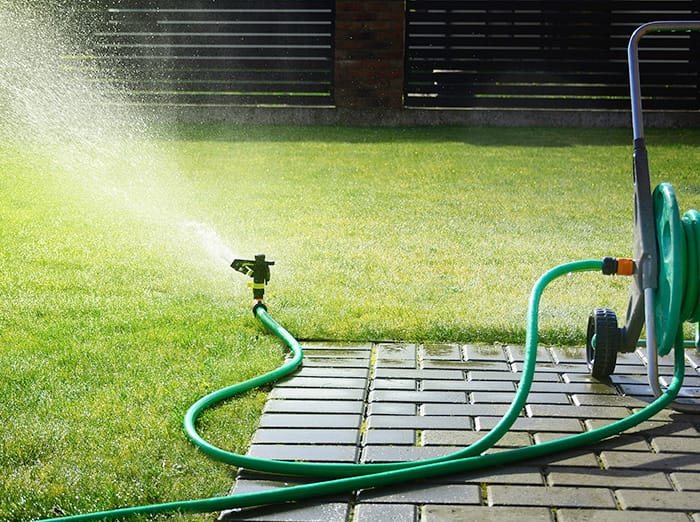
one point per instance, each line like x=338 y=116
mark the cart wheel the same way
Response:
x=603 y=341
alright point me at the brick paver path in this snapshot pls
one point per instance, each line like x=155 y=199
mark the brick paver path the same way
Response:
x=385 y=402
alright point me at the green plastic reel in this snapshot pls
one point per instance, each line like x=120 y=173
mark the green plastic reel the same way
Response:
x=678 y=240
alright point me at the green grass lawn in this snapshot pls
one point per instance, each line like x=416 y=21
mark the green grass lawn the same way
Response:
x=114 y=318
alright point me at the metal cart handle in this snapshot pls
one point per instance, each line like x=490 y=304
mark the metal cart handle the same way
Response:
x=633 y=62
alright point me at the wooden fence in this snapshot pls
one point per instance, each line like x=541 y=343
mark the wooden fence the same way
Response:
x=547 y=54
x=219 y=52
x=475 y=54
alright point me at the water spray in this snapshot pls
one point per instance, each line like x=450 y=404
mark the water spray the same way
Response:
x=666 y=280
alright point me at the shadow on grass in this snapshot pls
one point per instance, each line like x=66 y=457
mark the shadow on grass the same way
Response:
x=477 y=136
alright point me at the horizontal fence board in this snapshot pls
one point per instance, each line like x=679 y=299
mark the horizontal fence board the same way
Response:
x=226 y=74
x=223 y=88
x=215 y=5
x=231 y=99
x=547 y=54
x=216 y=51
x=568 y=5
x=125 y=40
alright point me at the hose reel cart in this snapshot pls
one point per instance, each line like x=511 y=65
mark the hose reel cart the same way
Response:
x=665 y=271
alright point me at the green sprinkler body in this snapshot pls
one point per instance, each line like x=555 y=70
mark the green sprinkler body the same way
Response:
x=259 y=270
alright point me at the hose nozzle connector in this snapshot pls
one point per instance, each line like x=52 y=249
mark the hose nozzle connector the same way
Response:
x=259 y=270
x=618 y=266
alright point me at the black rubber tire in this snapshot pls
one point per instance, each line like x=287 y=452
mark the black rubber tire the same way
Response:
x=601 y=358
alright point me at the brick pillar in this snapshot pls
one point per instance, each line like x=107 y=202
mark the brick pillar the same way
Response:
x=369 y=53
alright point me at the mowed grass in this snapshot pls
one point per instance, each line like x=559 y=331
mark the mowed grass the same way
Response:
x=113 y=320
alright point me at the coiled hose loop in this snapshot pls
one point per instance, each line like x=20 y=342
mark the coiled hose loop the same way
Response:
x=678 y=293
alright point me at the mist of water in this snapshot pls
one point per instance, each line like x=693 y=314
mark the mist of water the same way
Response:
x=69 y=113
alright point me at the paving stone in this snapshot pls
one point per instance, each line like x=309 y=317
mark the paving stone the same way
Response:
x=454 y=494
x=396 y=373
x=532 y=424
x=581 y=368
x=483 y=352
x=323 y=382
x=686 y=501
x=464 y=438
x=316 y=512
x=636 y=390
x=465 y=409
x=608 y=478
x=568 y=354
x=394 y=384
x=392 y=408
x=374 y=454
x=507 y=495
x=311 y=406
x=300 y=420
x=644 y=427
x=507 y=398
x=677 y=445
x=586 y=412
x=583 y=458
x=650 y=461
x=419 y=422
x=580 y=399
x=517 y=354
x=329 y=362
x=383 y=437
x=447 y=352
x=487 y=375
x=251 y=482
x=304 y=452
x=396 y=351
x=305 y=436
x=335 y=353
x=468 y=365
x=604 y=515
x=349 y=394
x=417 y=396
x=583 y=378
x=625 y=442
x=513 y=474
x=305 y=371
x=483 y=514
x=338 y=345
x=464 y=385
x=385 y=513
x=396 y=363
x=686 y=481
x=569 y=387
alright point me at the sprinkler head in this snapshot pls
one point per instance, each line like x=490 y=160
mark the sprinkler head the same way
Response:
x=259 y=270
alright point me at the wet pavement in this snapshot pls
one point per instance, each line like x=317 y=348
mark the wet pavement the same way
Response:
x=390 y=402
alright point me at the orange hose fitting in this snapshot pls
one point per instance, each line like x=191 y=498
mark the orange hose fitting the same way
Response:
x=625 y=266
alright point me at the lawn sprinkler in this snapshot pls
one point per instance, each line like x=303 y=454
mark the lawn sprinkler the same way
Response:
x=665 y=293
x=259 y=270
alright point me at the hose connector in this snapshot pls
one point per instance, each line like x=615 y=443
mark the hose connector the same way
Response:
x=259 y=270
x=618 y=266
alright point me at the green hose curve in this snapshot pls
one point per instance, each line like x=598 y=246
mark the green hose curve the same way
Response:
x=362 y=476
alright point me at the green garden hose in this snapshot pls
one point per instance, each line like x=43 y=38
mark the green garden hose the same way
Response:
x=363 y=476
x=678 y=294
